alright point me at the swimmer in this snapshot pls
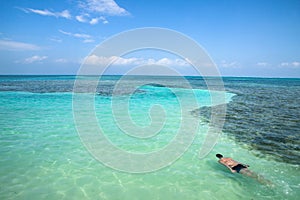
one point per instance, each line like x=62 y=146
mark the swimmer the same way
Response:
x=237 y=167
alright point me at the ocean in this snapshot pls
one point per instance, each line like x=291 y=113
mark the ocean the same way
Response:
x=43 y=154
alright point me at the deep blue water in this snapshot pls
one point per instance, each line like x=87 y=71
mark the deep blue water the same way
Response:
x=265 y=115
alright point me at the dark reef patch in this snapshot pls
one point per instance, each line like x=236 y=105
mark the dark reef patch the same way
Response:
x=265 y=114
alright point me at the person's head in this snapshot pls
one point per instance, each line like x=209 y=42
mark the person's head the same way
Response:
x=219 y=156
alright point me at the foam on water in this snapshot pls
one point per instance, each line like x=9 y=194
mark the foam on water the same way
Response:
x=42 y=156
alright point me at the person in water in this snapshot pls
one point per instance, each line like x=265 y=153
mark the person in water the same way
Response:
x=237 y=167
x=233 y=165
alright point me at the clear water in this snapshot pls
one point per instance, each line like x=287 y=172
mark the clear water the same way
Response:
x=42 y=157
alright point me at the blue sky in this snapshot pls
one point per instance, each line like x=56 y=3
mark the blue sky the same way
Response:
x=244 y=38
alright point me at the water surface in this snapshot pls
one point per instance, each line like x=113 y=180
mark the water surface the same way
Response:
x=42 y=156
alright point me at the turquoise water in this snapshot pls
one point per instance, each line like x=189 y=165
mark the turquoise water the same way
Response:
x=42 y=156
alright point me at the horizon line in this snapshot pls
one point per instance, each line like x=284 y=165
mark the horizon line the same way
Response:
x=225 y=76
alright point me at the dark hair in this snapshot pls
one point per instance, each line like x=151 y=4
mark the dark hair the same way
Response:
x=219 y=156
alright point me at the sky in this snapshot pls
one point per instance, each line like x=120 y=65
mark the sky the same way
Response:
x=244 y=38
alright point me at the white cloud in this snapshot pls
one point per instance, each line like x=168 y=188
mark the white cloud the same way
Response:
x=77 y=35
x=17 y=46
x=85 y=18
x=262 y=64
x=294 y=64
x=283 y=64
x=101 y=60
x=104 y=20
x=87 y=12
x=164 y=61
x=169 y=62
x=34 y=59
x=226 y=64
x=80 y=35
x=88 y=40
x=106 y=7
x=64 y=14
x=94 y=21
x=55 y=39
x=82 y=18
x=61 y=60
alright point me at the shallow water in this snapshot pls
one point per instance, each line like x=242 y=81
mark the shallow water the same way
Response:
x=42 y=155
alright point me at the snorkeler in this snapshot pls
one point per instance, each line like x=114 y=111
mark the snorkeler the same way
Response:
x=233 y=165
x=237 y=167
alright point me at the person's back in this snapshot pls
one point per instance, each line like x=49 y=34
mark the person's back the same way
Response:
x=231 y=164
